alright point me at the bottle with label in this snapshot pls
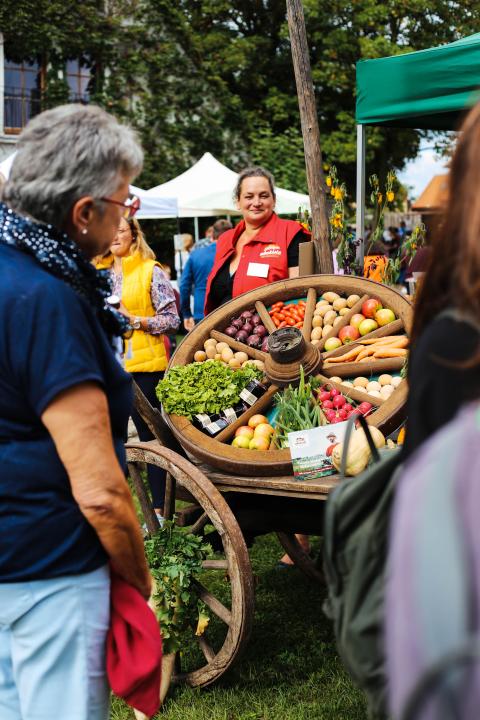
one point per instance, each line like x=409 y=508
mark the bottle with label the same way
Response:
x=233 y=413
x=252 y=392
x=201 y=420
x=215 y=427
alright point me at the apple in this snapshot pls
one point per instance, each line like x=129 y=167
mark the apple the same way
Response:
x=355 y=320
x=244 y=430
x=257 y=420
x=384 y=316
x=241 y=441
x=348 y=334
x=263 y=430
x=367 y=326
x=370 y=307
x=332 y=344
x=259 y=443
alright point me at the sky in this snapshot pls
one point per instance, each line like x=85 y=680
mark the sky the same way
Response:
x=418 y=173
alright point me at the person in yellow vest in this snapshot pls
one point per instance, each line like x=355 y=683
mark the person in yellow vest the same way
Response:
x=148 y=301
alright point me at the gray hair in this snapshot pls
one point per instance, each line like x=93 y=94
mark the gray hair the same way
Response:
x=67 y=153
x=255 y=171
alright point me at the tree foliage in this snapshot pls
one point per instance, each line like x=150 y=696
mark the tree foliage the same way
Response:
x=197 y=75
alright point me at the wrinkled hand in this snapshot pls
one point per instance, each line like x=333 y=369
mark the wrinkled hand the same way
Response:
x=189 y=324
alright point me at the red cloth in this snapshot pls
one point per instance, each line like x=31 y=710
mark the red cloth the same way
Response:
x=134 y=648
x=268 y=248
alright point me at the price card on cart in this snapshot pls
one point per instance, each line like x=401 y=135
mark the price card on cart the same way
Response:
x=311 y=450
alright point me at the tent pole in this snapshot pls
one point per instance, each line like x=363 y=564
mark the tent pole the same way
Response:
x=360 y=211
x=197 y=233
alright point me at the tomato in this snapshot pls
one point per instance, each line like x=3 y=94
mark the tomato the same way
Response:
x=299 y=325
x=291 y=322
x=283 y=324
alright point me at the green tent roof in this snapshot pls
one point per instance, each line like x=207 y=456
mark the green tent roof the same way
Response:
x=425 y=89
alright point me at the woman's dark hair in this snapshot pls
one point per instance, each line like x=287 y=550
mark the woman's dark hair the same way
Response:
x=255 y=171
x=452 y=278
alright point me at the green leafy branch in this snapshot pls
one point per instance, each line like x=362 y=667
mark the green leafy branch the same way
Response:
x=175 y=558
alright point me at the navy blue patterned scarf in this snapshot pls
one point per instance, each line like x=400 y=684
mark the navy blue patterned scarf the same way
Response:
x=61 y=256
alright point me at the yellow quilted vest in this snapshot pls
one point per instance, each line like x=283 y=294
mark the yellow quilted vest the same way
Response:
x=148 y=353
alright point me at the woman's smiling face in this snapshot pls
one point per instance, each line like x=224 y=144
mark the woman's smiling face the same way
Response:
x=256 y=201
x=123 y=240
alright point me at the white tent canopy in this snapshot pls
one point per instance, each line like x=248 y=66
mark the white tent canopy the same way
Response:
x=151 y=207
x=206 y=189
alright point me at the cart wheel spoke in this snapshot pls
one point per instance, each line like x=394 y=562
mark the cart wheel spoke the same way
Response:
x=265 y=317
x=308 y=317
x=215 y=565
x=198 y=526
x=215 y=605
x=207 y=651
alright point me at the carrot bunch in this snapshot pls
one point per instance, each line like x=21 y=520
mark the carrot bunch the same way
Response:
x=374 y=349
x=288 y=315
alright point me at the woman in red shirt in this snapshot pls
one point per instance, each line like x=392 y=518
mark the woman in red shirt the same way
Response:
x=261 y=249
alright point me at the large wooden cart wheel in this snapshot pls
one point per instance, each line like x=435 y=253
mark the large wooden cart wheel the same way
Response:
x=388 y=414
x=231 y=619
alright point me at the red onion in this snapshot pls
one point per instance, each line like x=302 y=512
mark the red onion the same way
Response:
x=241 y=336
x=248 y=327
x=254 y=341
x=246 y=315
x=237 y=323
x=260 y=330
x=231 y=331
x=256 y=319
x=265 y=345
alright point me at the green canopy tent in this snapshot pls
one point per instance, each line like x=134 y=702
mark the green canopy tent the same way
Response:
x=428 y=89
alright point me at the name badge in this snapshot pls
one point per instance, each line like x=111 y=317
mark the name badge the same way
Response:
x=258 y=270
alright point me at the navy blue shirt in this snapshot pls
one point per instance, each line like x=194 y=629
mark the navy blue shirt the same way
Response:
x=50 y=340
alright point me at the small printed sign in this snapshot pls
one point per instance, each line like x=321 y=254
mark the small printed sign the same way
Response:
x=311 y=450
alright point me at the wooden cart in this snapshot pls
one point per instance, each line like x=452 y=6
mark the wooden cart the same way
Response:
x=220 y=475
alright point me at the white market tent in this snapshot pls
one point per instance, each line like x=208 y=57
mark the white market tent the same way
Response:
x=206 y=189
x=151 y=207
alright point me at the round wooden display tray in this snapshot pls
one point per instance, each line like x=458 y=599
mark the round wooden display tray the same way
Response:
x=388 y=415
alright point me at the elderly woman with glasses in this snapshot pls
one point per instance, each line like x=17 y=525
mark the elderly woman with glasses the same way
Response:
x=148 y=302
x=66 y=512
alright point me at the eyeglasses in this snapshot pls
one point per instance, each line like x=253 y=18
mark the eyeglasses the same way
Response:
x=131 y=205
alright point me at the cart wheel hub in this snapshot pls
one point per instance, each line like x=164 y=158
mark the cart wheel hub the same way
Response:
x=288 y=353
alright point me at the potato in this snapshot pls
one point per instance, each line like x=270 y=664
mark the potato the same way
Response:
x=386 y=391
x=317 y=321
x=234 y=363
x=360 y=382
x=361 y=389
x=218 y=356
x=374 y=393
x=329 y=317
x=241 y=357
x=347 y=383
x=373 y=386
x=316 y=333
x=339 y=304
x=326 y=329
x=396 y=381
x=343 y=311
x=330 y=296
x=352 y=300
x=324 y=310
x=315 y=342
x=320 y=303
x=200 y=356
x=227 y=355
x=337 y=320
x=385 y=379
x=209 y=341
x=222 y=346
x=336 y=379
x=211 y=351
x=316 y=313
x=255 y=363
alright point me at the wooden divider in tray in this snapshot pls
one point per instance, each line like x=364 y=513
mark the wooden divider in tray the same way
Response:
x=388 y=414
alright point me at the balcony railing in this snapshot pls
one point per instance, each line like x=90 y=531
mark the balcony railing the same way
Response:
x=19 y=107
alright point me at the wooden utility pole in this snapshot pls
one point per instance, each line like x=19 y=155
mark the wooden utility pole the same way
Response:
x=311 y=136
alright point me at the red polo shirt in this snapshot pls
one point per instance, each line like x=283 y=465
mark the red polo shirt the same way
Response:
x=263 y=260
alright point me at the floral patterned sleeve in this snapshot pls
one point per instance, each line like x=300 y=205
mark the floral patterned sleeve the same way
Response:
x=166 y=317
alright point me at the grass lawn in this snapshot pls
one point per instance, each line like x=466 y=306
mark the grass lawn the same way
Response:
x=290 y=670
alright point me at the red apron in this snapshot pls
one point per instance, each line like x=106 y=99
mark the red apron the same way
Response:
x=265 y=255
